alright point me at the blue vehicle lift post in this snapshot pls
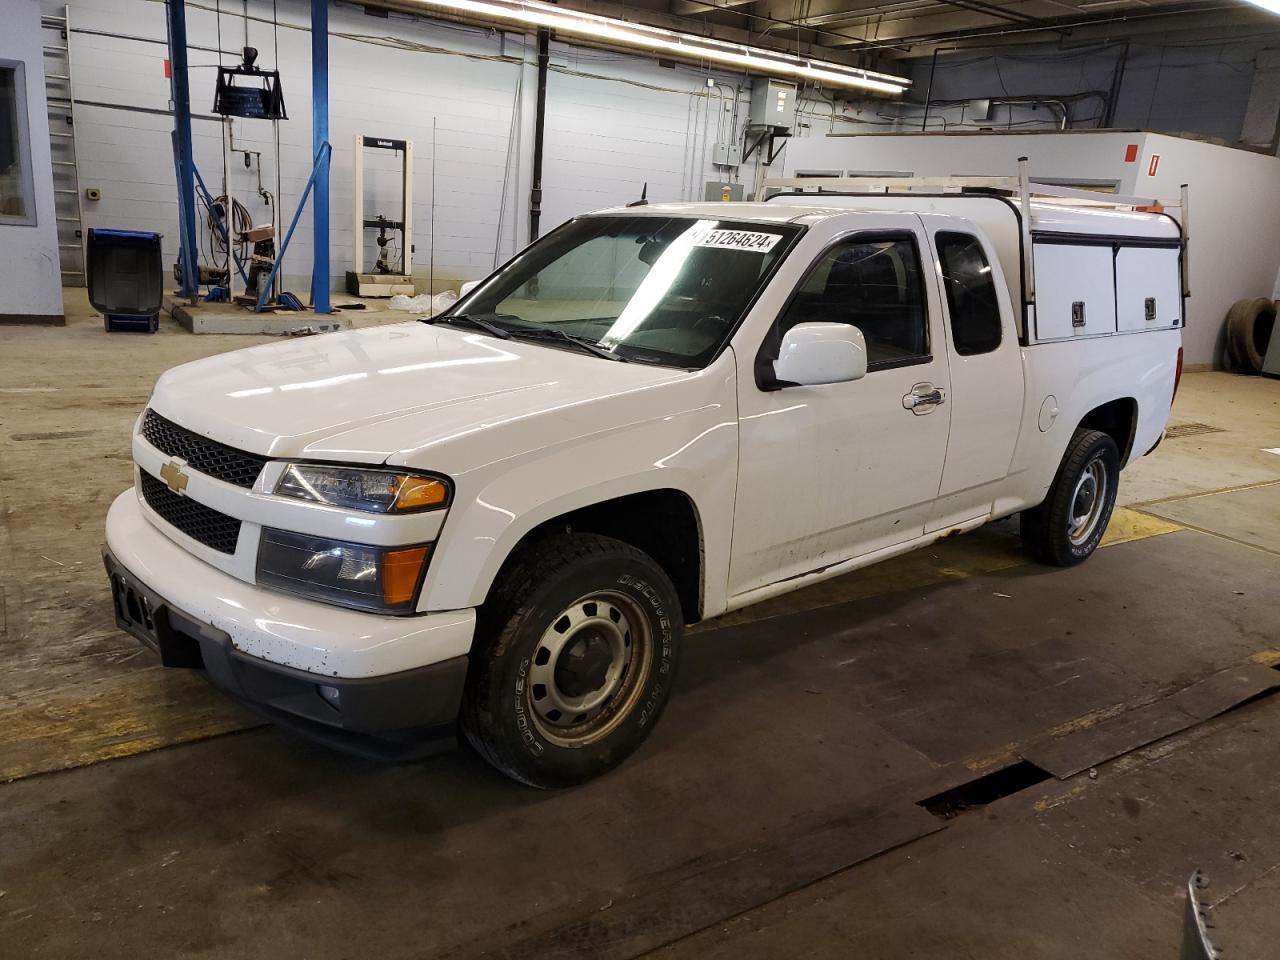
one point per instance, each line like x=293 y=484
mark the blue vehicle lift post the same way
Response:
x=184 y=164
x=320 y=150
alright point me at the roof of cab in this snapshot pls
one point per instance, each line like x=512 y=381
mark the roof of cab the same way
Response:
x=1046 y=216
x=719 y=210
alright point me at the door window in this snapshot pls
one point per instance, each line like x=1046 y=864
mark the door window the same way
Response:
x=971 y=294
x=15 y=162
x=873 y=283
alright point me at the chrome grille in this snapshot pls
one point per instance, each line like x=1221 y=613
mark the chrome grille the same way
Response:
x=208 y=526
x=202 y=454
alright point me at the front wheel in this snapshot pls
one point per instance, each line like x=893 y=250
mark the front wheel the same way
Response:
x=1067 y=527
x=574 y=660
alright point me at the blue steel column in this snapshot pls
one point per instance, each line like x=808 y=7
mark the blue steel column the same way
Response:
x=319 y=137
x=180 y=91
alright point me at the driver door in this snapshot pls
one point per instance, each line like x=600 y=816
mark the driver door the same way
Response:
x=831 y=472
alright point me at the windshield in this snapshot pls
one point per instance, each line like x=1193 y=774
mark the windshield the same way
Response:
x=667 y=290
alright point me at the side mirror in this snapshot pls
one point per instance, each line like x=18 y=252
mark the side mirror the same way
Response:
x=817 y=353
x=467 y=288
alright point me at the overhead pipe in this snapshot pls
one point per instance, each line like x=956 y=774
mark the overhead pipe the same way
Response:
x=928 y=94
x=1113 y=97
x=539 y=129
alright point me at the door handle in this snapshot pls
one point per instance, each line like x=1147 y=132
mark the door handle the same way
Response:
x=923 y=398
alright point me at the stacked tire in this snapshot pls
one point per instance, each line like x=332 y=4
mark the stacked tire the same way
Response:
x=1250 y=324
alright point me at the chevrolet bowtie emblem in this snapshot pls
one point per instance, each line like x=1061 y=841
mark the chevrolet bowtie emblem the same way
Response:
x=171 y=473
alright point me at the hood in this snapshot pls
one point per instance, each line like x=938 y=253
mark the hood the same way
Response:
x=386 y=393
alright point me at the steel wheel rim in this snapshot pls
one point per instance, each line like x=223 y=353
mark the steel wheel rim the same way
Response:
x=588 y=668
x=1087 y=503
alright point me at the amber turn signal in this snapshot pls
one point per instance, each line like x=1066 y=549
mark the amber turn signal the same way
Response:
x=417 y=493
x=401 y=570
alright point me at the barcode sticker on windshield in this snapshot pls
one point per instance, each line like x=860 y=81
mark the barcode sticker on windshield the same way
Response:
x=740 y=240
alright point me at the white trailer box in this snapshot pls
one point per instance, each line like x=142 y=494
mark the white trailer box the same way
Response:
x=1235 y=234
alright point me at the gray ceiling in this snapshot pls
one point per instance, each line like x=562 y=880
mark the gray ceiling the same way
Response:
x=859 y=31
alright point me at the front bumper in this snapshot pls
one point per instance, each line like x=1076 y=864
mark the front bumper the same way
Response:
x=385 y=676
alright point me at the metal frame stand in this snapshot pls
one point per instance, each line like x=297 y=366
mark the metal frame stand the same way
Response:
x=323 y=156
x=319 y=145
x=184 y=162
x=364 y=284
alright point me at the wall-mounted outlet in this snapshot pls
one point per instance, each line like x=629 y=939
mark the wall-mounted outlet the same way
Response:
x=92 y=193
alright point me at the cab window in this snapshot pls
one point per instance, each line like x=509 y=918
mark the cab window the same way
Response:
x=971 y=294
x=875 y=284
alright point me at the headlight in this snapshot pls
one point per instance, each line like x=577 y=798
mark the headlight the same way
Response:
x=373 y=491
x=382 y=579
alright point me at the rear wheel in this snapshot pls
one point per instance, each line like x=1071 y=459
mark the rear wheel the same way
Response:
x=1068 y=526
x=576 y=653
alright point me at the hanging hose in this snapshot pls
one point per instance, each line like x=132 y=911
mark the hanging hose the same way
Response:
x=240 y=222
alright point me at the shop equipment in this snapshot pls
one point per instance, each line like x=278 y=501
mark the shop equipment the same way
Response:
x=393 y=270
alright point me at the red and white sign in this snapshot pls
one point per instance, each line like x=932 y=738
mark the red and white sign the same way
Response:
x=1153 y=165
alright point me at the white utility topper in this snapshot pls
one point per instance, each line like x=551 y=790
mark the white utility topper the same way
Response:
x=506 y=515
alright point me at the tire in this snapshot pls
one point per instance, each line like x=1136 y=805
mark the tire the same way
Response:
x=1067 y=527
x=574 y=618
x=1250 y=326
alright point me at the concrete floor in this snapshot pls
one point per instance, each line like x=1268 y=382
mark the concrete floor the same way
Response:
x=774 y=813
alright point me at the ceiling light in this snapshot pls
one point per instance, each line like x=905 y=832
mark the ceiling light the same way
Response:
x=754 y=59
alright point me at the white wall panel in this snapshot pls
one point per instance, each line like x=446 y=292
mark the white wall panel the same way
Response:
x=605 y=136
x=30 y=274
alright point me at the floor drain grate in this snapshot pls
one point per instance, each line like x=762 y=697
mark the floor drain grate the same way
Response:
x=1189 y=430
x=986 y=789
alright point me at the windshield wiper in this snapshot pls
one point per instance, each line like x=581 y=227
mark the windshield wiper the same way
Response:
x=559 y=336
x=477 y=321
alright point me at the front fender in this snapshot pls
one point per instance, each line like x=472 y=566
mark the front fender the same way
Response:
x=695 y=453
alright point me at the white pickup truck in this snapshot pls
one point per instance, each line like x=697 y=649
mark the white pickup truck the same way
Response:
x=503 y=518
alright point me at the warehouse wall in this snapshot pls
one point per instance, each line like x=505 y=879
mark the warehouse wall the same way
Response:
x=613 y=122
x=30 y=278
x=1203 y=90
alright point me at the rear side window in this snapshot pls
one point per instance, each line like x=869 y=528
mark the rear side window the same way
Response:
x=971 y=294
x=874 y=284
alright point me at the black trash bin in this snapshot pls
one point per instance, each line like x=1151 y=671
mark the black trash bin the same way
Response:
x=126 y=278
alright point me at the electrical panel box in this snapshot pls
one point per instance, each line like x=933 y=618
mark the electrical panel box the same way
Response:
x=714 y=190
x=727 y=154
x=773 y=104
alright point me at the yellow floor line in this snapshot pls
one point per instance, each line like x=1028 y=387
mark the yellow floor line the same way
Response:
x=122 y=716
x=1128 y=525
x=150 y=709
x=988 y=550
x=1268 y=658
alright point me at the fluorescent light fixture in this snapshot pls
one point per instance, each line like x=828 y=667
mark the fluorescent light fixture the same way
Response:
x=611 y=30
x=1271 y=5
